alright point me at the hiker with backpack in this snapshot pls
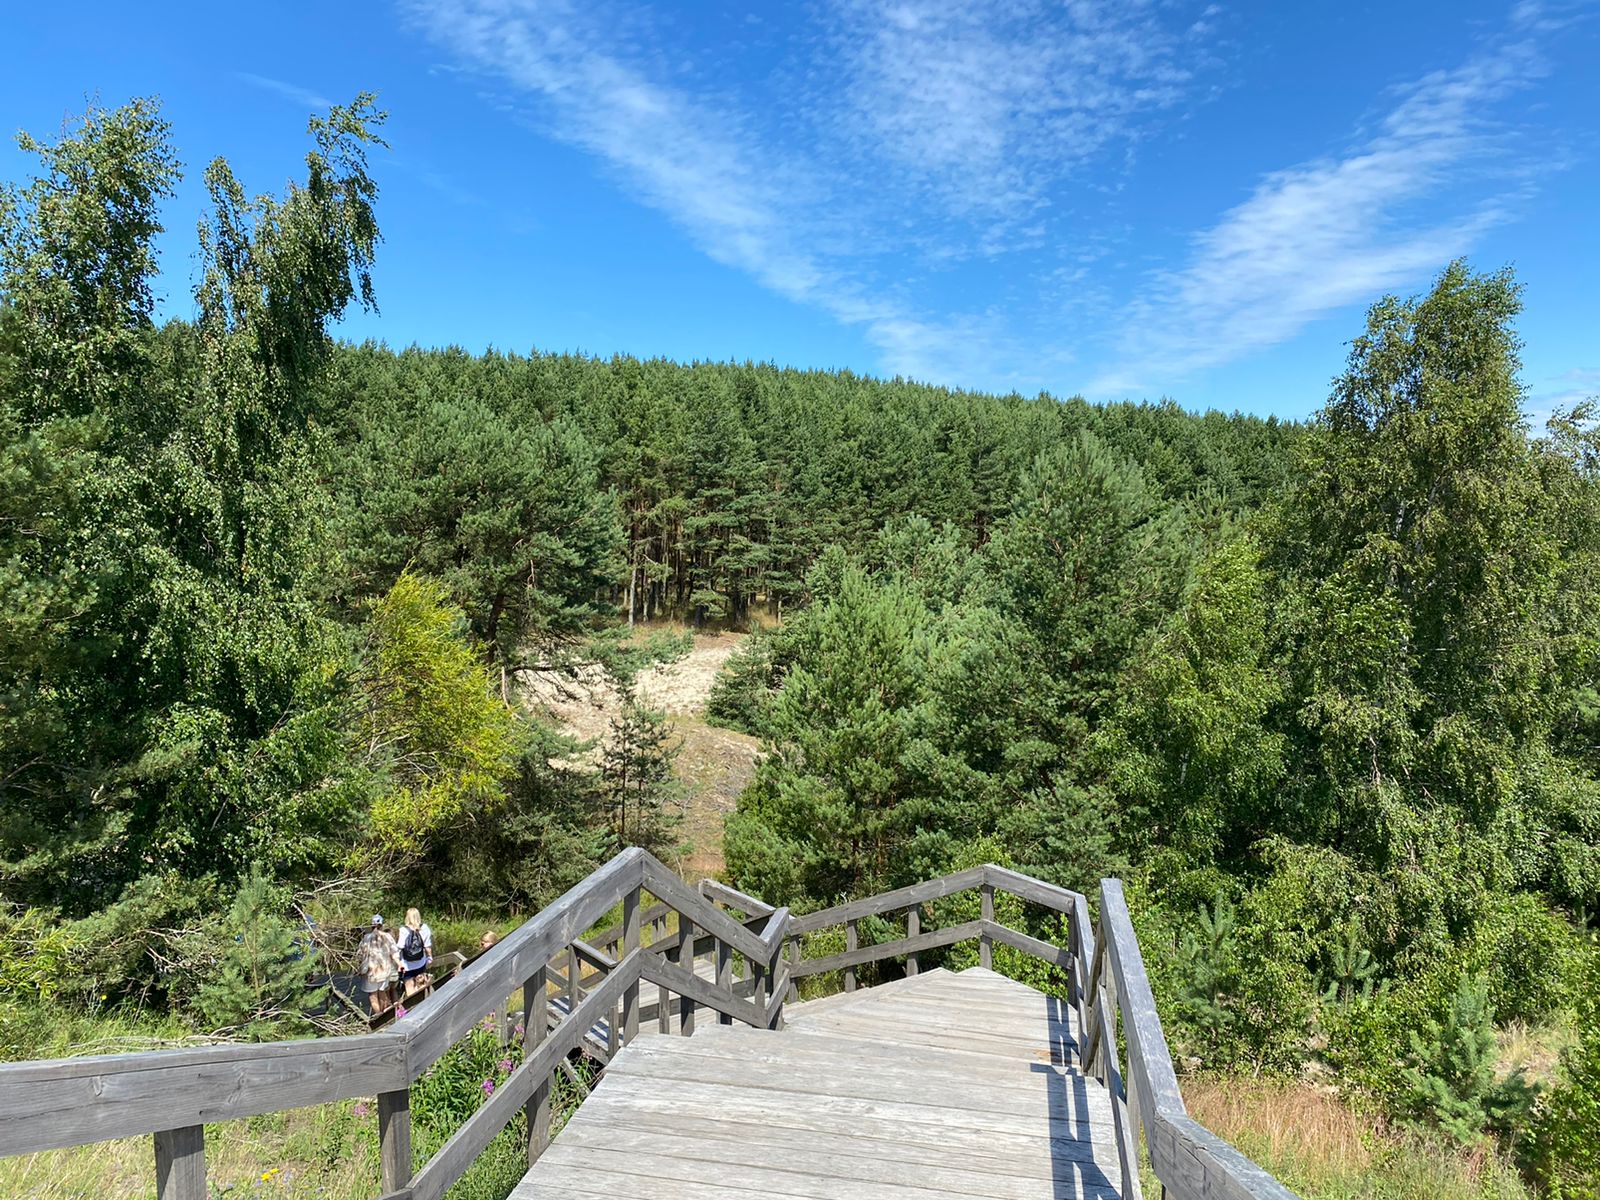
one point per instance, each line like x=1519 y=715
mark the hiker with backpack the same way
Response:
x=416 y=951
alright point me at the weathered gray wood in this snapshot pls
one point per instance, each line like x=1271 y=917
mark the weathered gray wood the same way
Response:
x=913 y=929
x=986 y=915
x=1026 y=887
x=917 y=893
x=925 y=941
x=630 y=943
x=73 y=1102
x=436 y=1026
x=686 y=953
x=850 y=946
x=794 y=959
x=181 y=1164
x=724 y=976
x=394 y=1138
x=749 y=905
x=703 y=992
x=706 y=915
x=609 y=938
x=452 y=1159
x=536 y=1027
x=592 y=955
x=1048 y=951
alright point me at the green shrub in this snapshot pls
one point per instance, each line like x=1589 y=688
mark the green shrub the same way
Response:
x=1452 y=1080
x=743 y=688
x=1562 y=1144
x=1529 y=957
x=260 y=984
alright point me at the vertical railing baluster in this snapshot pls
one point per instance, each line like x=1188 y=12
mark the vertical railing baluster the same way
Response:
x=850 y=944
x=724 y=975
x=394 y=1138
x=794 y=961
x=535 y=1025
x=985 y=942
x=181 y=1163
x=630 y=943
x=913 y=929
x=686 y=961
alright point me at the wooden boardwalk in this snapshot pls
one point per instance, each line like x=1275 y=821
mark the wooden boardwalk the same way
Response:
x=938 y=1085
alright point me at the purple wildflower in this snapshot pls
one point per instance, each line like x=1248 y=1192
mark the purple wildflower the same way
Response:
x=504 y=1064
x=488 y=1087
x=361 y=1109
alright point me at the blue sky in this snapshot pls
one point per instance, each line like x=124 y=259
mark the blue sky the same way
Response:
x=1193 y=200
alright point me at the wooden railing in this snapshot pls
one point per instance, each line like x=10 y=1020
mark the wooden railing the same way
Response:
x=1105 y=980
x=596 y=1007
x=173 y=1094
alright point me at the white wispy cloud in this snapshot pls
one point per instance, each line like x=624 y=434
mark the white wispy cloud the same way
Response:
x=304 y=97
x=795 y=212
x=988 y=105
x=1325 y=234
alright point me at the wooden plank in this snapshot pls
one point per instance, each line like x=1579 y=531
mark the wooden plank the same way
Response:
x=986 y=920
x=686 y=953
x=913 y=929
x=1048 y=951
x=452 y=1159
x=850 y=946
x=724 y=976
x=917 y=893
x=925 y=941
x=705 y=915
x=536 y=1027
x=394 y=1138
x=73 y=1102
x=181 y=1164
x=1026 y=887
x=749 y=905
x=630 y=944
x=436 y=1026
x=692 y=987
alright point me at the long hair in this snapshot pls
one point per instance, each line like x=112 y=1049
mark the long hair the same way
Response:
x=413 y=919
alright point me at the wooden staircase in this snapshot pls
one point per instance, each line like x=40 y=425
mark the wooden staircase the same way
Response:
x=939 y=1085
x=934 y=1084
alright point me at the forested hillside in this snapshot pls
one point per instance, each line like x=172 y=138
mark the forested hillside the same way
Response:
x=1324 y=695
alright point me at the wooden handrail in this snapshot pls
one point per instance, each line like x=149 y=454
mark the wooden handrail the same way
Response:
x=173 y=1094
x=1191 y=1161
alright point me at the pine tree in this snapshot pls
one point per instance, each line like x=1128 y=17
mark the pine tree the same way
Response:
x=1452 y=1079
x=262 y=980
x=636 y=773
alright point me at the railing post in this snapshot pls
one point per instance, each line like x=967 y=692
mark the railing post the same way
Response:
x=850 y=944
x=630 y=943
x=985 y=942
x=181 y=1163
x=686 y=961
x=724 y=975
x=794 y=961
x=573 y=971
x=394 y=1138
x=535 y=1026
x=913 y=928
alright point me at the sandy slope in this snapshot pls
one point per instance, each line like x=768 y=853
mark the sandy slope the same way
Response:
x=714 y=764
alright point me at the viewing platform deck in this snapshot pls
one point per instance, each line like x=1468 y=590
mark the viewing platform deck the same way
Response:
x=716 y=1080
x=938 y=1085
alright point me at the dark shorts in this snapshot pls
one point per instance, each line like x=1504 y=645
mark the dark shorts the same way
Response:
x=411 y=973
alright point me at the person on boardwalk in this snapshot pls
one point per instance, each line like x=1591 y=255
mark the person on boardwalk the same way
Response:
x=379 y=964
x=416 y=951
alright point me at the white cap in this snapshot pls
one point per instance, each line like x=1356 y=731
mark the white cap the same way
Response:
x=377 y=918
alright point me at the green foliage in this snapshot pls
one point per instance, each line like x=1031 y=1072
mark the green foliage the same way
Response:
x=1562 y=1144
x=1452 y=1077
x=636 y=775
x=446 y=742
x=260 y=984
x=743 y=688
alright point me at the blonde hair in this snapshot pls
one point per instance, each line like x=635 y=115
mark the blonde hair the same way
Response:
x=413 y=918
